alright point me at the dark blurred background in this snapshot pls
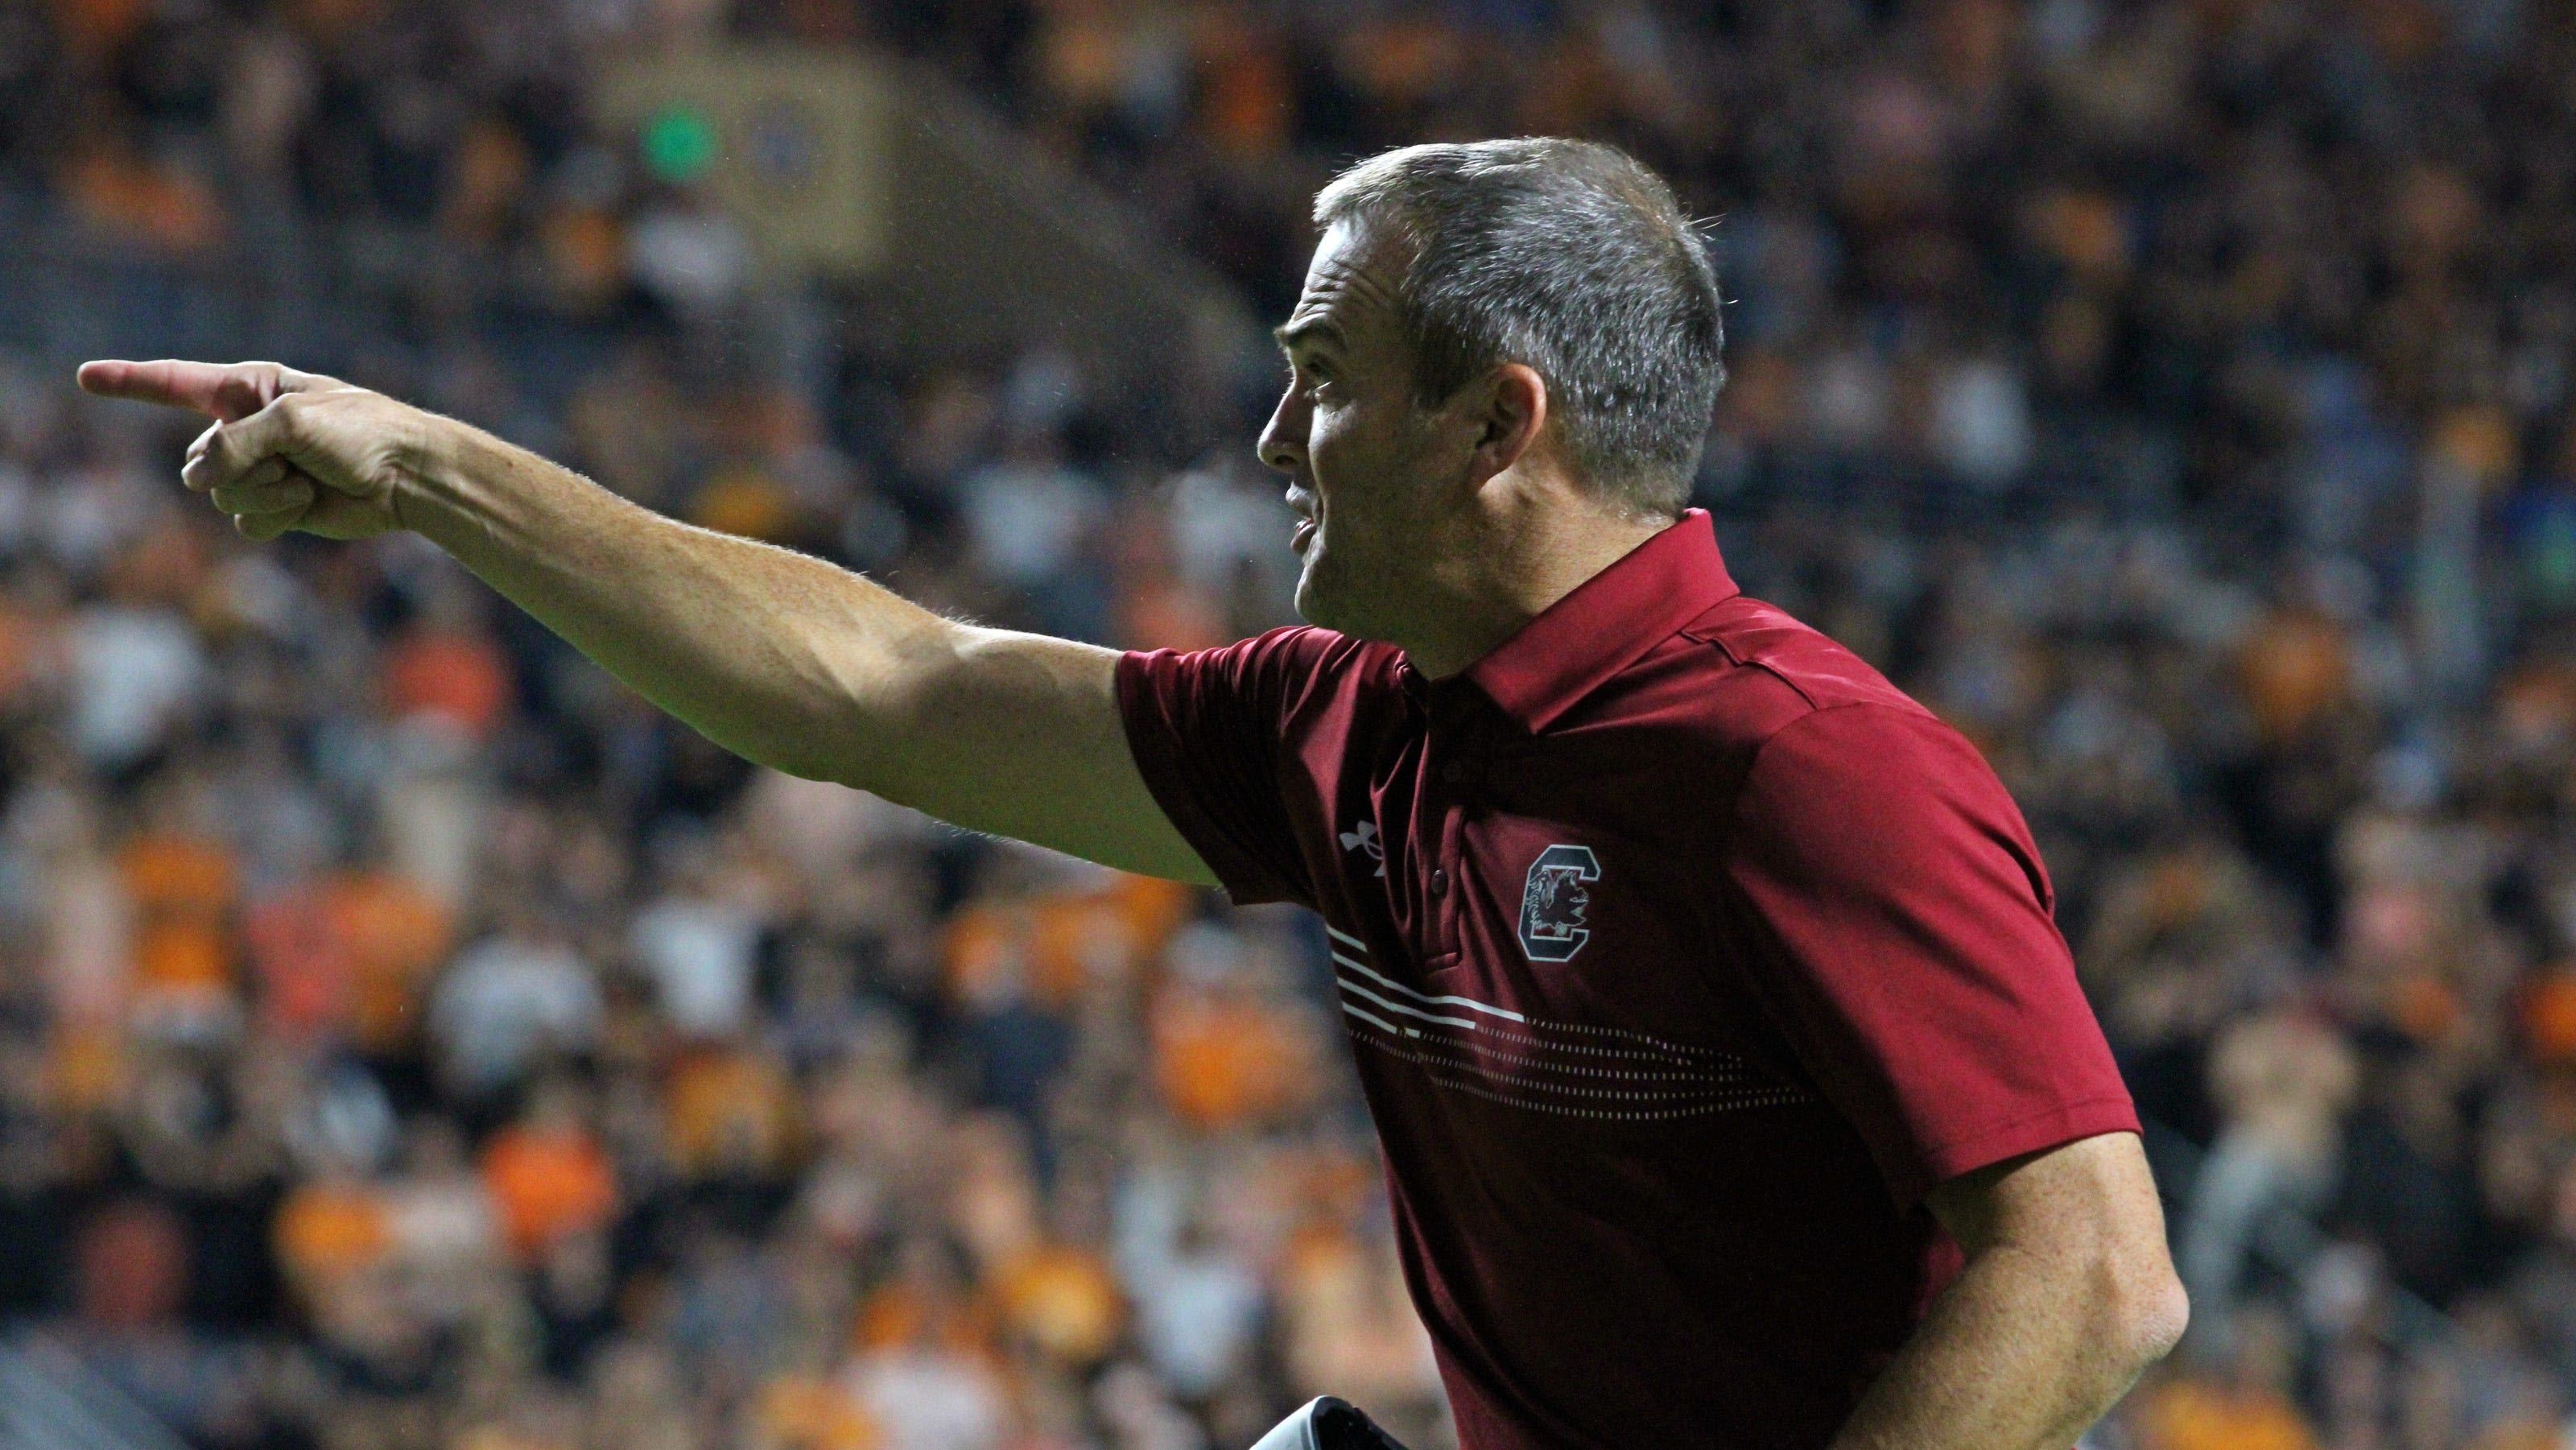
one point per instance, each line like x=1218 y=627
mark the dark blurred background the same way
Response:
x=410 y=1039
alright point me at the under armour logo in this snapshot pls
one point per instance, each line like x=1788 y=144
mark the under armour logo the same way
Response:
x=1364 y=837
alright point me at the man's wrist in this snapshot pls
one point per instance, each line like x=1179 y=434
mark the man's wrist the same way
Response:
x=436 y=470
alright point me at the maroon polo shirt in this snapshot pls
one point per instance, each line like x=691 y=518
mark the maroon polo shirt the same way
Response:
x=1680 y=953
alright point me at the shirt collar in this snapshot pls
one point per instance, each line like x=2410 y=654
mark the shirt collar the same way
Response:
x=1610 y=619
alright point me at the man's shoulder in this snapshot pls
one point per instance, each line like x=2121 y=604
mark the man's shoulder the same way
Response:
x=1815 y=720
x=1295 y=682
x=1750 y=670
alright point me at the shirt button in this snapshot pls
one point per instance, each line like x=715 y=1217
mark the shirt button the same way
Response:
x=1439 y=881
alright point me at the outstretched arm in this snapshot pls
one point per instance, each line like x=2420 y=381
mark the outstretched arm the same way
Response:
x=2067 y=1297
x=782 y=658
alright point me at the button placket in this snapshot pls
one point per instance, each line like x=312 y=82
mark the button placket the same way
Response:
x=1450 y=773
x=1457 y=775
x=1446 y=892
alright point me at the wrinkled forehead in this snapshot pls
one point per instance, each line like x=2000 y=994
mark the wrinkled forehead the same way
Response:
x=1349 y=294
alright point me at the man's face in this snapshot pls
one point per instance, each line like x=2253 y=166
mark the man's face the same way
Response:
x=1367 y=469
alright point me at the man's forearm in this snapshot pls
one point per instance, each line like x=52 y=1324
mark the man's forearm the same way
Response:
x=783 y=658
x=770 y=653
x=2022 y=1352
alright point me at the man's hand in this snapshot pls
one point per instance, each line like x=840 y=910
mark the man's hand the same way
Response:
x=287 y=450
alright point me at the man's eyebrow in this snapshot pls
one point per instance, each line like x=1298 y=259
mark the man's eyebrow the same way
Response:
x=1297 y=330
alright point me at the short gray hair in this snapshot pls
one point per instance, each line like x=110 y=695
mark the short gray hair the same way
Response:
x=1572 y=258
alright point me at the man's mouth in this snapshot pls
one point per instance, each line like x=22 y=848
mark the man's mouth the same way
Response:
x=1302 y=503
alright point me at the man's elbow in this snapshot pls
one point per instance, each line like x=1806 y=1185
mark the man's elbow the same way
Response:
x=2148 y=1311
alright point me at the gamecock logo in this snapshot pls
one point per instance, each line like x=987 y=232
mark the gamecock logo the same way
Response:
x=1555 y=909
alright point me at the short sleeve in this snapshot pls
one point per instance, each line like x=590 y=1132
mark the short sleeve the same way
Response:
x=1903 y=944
x=1206 y=728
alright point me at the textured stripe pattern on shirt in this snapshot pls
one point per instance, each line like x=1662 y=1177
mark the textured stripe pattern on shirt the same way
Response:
x=1569 y=1069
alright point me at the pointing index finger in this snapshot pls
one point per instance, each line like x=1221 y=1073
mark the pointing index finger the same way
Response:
x=171 y=384
x=214 y=389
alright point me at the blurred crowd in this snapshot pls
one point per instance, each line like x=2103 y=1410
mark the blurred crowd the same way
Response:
x=409 y=1038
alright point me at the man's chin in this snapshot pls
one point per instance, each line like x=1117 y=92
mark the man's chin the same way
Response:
x=1309 y=608
x=1325 y=601
x=1315 y=598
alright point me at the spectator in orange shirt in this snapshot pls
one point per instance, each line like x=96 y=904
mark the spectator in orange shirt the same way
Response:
x=184 y=886
x=547 y=1174
x=1228 y=1051
x=447 y=669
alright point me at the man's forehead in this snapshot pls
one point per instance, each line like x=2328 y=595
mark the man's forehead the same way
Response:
x=1348 y=286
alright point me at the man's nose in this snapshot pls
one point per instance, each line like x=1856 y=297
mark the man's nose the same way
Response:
x=1283 y=438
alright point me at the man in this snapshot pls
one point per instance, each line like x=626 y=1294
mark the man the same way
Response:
x=1734 y=1082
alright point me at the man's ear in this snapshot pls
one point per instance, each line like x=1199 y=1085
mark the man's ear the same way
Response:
x=1514 y=415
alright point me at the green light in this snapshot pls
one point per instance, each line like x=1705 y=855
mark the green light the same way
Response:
x=679 y=143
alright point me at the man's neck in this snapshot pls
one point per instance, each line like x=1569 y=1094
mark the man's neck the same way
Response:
x=1501 y=572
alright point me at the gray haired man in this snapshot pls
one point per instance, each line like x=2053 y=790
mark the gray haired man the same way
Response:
x=1734 y=1083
